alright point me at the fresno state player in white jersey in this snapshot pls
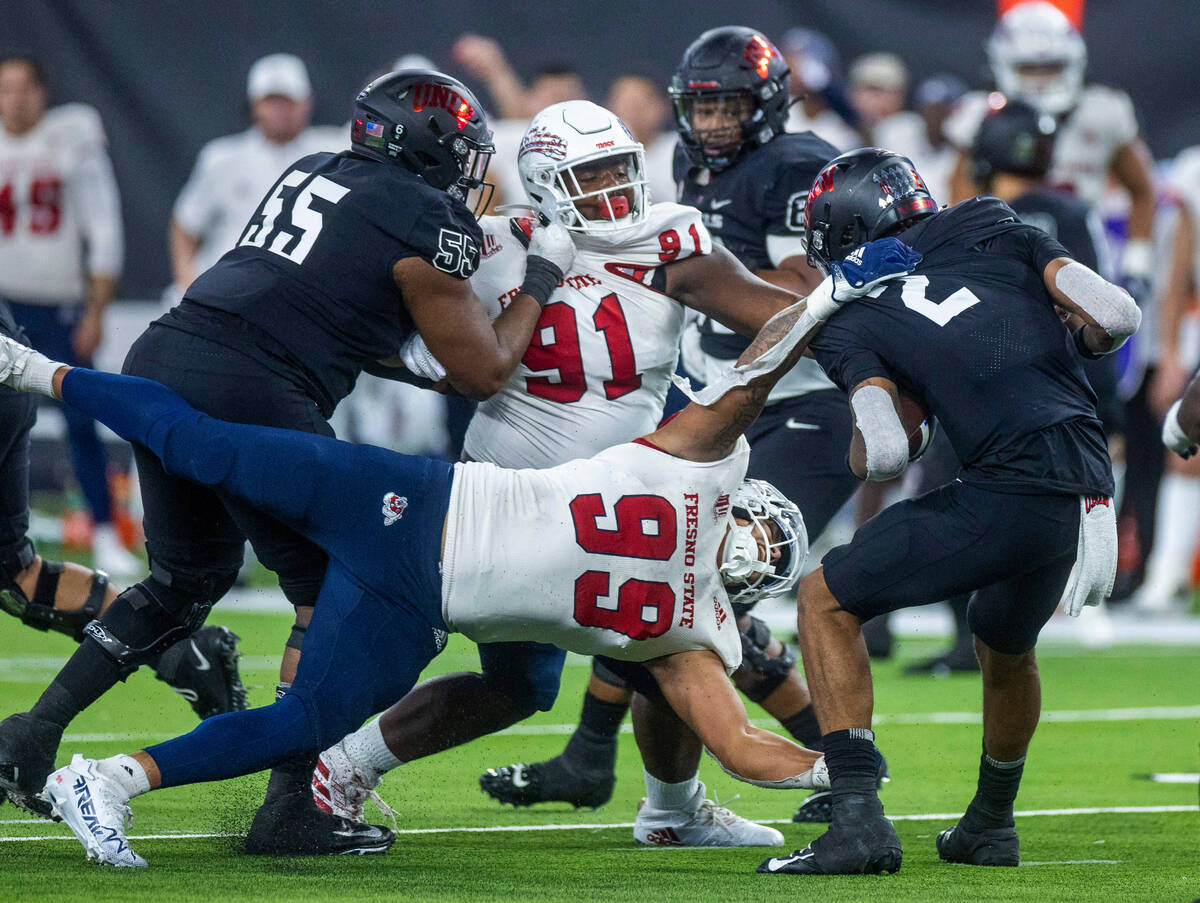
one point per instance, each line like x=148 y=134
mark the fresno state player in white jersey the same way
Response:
x=601 y=359
x=1038 y=56
x=596 y=374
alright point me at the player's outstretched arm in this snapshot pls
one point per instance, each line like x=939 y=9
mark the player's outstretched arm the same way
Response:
x=1108 y=311
x=697 y=688
x=719 y=286
x=708 y=429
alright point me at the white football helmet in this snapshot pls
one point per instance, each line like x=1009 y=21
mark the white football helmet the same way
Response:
x=1038 y=35
x=578 y=152
x=776 y=528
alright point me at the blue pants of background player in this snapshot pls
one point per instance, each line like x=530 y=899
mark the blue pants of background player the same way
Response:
x=48 y=328
x=378 y=620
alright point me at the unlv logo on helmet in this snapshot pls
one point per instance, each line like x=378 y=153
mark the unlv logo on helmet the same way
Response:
x=445 y=98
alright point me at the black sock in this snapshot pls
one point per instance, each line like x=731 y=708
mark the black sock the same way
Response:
x=804 y=727
x=87 y=676
x=293 y=775
x=853 y=764
x=593 y=746
x=997 y=791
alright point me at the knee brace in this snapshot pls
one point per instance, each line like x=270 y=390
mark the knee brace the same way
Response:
x=39 y=612
x=760 y=674
x=155 y=614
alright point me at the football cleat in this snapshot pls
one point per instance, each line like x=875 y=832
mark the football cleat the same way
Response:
x=27 y=749
x=818 y=807
x=203 y=669
x=954 y=661
x=292 y=825
x=340 y=786
x=709 y=826
x=552 y=781
x=868 y=847
x=95 y=808
x=988 y=846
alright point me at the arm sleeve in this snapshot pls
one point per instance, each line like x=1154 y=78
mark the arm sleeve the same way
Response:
x=98 y=206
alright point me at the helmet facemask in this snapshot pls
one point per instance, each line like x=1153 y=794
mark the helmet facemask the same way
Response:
x=765 y=546
x=1038 y=56
x=599 y=193
x=471 y=186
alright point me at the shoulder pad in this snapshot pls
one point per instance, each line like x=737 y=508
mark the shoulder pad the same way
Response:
x=79 y=121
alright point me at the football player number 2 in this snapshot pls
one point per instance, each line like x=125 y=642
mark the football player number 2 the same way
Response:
x=644 y=528
x=292 y=235
x=555 y=346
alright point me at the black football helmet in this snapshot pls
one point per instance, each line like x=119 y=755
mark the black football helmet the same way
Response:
x=736 y=69
x=858 y=197
x=1013 y=138
x=429 y=123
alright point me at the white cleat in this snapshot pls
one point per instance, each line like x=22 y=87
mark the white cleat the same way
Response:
x=341 y=785
x=709 y=826
x=110 y=555
x=94 y=808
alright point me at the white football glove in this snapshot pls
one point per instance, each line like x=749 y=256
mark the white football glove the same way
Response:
x=419 y=360
x=553 y=243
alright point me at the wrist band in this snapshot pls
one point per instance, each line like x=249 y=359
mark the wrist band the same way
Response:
x=541 y=279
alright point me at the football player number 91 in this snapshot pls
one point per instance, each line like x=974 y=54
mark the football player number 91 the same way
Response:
x=645 y=528
x=555 y=346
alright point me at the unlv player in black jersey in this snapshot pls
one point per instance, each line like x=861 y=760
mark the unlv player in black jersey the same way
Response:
x=974 y=333
x=347 y=256
x=749 y=179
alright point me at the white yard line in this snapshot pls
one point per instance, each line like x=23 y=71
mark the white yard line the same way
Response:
x=502 y=829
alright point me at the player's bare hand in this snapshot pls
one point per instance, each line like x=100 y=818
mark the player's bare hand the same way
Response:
x=87 y=335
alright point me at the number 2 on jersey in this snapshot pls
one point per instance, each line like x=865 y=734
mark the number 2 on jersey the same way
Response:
x=645 y=528
x=555 y=346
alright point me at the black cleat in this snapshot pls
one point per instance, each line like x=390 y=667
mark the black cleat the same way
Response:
x=817 y=808
x=292 y=825
x=27 y=749
x=868 y=847
x=552 y=781
x=203 y=669
x=989 y=846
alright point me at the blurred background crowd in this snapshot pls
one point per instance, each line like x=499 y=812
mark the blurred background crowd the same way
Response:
x=169 y=130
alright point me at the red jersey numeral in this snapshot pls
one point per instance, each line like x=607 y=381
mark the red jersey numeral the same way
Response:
x=645 y=528
x=563 y=354
x=672 y=246
x=45 y=201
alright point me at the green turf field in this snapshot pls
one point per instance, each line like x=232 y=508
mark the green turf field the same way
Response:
x=1109 y=717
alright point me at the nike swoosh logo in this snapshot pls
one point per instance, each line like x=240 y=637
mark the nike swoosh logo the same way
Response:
x=774 y=864
x=203 y=664
x=519 y=779
x=794 y=424
x=717 y=205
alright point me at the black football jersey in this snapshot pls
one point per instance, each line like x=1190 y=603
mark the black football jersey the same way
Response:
x=312 y=272
x=972 y=332
x=760 y=197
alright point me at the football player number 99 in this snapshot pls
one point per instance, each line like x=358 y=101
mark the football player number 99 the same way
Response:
x=645 y=528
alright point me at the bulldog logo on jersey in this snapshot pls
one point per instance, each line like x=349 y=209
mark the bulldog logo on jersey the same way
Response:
x=393 y=508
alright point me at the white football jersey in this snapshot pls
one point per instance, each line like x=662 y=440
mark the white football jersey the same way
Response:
x=600 y=361
x=229 y=180
x=1184 y=182
x=60 y=215
x=611 y=555
x=1100 y=124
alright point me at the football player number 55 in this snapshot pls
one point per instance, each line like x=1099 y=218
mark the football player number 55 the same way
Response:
x=645 y=528
x=291 y=235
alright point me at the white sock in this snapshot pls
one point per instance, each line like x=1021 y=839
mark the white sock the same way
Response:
x=685 y=796
x=1176 y=526
x=366 y=747
x=126 y=771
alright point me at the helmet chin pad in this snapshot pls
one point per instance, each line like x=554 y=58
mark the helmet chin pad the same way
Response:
x=616 y=207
